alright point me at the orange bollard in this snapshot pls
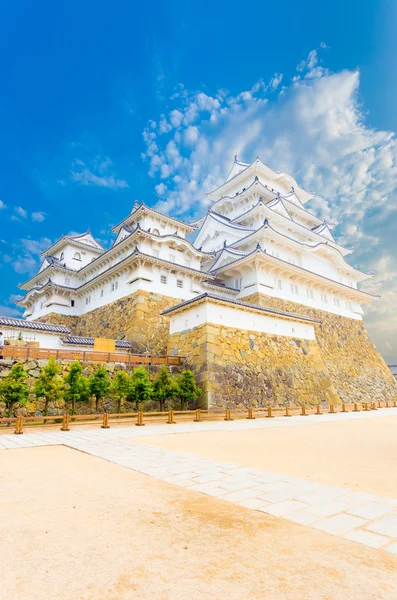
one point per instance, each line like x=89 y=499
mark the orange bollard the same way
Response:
x=18 y=426
x=250 y=414
x=170 y=420
x=332 y=409
x=356 y=409
x=287 y=413
x=387 y=404
x=303 y=412
x=373 y=406
x=65 y=423
x=105 y=423
x=344 y=409
x=198 y=416
x=269 y=413
x=395 y=403
x=139 y=419
x=318 y=410
x=366 y=406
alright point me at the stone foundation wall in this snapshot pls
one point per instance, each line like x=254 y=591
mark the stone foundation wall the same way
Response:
x=34 y=407
x=238 y=369
x=355 y=367
x=135 y=318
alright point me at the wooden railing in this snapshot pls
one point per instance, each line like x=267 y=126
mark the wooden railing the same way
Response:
x=169 y=417
x=88 y=356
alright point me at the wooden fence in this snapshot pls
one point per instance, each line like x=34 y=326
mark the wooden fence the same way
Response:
x=85 y=356
x=170 y=417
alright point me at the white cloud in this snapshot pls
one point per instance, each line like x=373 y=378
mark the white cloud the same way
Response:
x=2 y=205
x=315 y=129
x=25 y=264
x=96 y=174
x=38 y=217
x=21 y=211
x=27 y=253
x=8 y=311
x=161 y=189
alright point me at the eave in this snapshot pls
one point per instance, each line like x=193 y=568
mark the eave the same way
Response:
x=259 y=254
x=142 y=208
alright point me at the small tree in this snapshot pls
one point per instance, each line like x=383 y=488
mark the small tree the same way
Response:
x=77 y=389
x=140 y=388
x=164 y=387
x=187 y=388
x=99 y=385
x=14 y=389
x=120 y=387
x=49 y=385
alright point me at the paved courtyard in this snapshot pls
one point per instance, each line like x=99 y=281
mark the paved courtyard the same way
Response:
x=326 y=485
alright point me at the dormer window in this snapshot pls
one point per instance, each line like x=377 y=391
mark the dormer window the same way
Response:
x=77 y=256
x=156 y=232
x=62 y=256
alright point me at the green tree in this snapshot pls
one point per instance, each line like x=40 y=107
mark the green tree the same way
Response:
x=77 y=387
x=99 y=385
x=164 y=387
x=187 y=388
x=49 y=385
x=14 y=389
x=120 y=387
x=140 y=388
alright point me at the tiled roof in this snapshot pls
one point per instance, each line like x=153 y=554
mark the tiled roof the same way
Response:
x=22 y=324
x=88 y=341
x=265 y=309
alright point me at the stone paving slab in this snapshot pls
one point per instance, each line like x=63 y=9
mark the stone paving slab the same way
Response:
x=361 y=517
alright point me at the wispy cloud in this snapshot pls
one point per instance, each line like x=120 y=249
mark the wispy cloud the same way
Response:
x=97 y=174
x=2 y=205
x=313 y=127
x=27 y=254
x=9 y=311
x=38 y=217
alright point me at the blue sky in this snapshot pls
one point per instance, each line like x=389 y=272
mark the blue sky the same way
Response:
x=102 y=105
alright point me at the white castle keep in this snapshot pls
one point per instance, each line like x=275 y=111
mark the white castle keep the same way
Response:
x=257 y=237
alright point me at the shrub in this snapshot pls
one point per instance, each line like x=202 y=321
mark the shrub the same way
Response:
x=77 y=386
x=120 y=387
x=49 y=385
x=164 y=388
x=14 y=389
x=99 y=385
x=140 y=388
x=187 y=388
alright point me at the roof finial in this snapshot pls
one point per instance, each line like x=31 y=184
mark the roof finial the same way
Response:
x=258 y=246
x=292 y=188
x=256 y=178
x=266 y=222
x=235 y=158
x=224 y=244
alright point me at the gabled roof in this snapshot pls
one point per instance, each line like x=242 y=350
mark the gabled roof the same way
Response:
x=35 y=325
x=142 y=209
x=259 y=253
x=82 y=240
x=226 y=223
x=281 y=179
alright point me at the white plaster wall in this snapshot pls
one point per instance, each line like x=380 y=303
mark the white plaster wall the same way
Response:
x=235 y=317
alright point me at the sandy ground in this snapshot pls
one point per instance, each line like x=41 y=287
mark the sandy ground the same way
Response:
x=77 y=527
x=360 y=454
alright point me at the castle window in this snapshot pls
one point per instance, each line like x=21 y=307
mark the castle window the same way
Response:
x=238 y=283
x=324 y=298
x=102 y=293
x=72 y=303
x=310 y=293
x=294 y=289
x=179 y=283
x=77 y=256
x=163 y=279
x=41 y=304
x=156 y=232
x=88 y=300
x=336 y=301
x=67 y=281
x=62 y=256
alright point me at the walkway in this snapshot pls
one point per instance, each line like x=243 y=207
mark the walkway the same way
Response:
x=366 y=518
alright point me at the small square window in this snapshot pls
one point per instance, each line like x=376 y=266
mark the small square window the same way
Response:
x=67 y=281
x=102 y=293
x=163 y=279
x=72 y=303
x=179 y=283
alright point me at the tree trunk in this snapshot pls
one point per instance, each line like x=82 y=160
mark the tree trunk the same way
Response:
x=73 y=406
x=10 y=414
x=137 y=405
x=96 y=405
x=119 y=405
x=162 y=405
x=182 y=405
